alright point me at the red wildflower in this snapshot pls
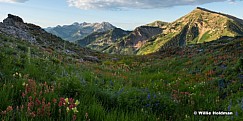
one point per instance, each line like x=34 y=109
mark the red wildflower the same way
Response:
x=182 y=93
x=71 y=106
x=60 y=103
x=74 y=117
x=48 y=104
x=37 y=101
x=30 y=104
x=23 y=94
x=38 y=111
x=30 y=98
x=174 y=91
x=54 y=100
x=71 y=100
x=187 y=93
x=4 y=112
x=32 y=114
x=28 y=109
x=43 y=101
x=9 y=108
x=62 y=99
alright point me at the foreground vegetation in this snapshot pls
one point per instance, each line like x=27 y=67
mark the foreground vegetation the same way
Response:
x=171 y=85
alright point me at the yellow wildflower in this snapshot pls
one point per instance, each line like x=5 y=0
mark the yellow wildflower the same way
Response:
x=77 y=102
x=66 y=100
x=67 y=109
x=23 y=84
x=75 y=110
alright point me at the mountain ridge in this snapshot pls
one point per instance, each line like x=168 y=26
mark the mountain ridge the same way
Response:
x=101 y=40
x=200 y=25
x=14 y=26
x=78 y=31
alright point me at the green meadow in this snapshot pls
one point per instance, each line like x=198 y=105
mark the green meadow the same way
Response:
x=169 y=85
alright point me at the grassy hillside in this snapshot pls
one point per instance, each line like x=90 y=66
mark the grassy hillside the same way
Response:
x=168 y=85
x=198 y=26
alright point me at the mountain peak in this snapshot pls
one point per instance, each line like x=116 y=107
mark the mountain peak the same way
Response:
x=78 y=31
x=200 y=8
x=11 y=19
x=205 y=10
x=106 y=24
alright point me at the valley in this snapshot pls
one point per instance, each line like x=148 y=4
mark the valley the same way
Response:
x=158 y=72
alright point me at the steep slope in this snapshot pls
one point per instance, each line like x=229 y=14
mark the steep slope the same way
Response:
x=201 y=25
x=101 y=40
x=135 y=40
x=78 y=31
x=14 y=26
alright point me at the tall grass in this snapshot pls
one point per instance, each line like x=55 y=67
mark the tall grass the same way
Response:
x=34 y=87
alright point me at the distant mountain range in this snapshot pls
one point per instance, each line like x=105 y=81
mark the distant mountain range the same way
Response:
x=200 y=25
x=78 y=31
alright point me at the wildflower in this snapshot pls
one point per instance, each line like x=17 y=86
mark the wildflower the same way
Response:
x=148 y=96
x=147 y=105
x=60 y=103
x=30 y=98
x=154 y=95
x=74 y=117
x=174 y=91
x=182 y=93
x=236 y=113
x=38 y=111
x=43 y=101
x=77 y=102
x=71 y=100
x=49 y=104
x=60 y=111
x=4 y=112
x=9 y=108
x=23 y=94
x=111 y=83
x=67 y=109
x=37 y=101
x=229 y=107
x=86 y=115
x=66 y=100
x=30 y=104
x=62 y=99
x=187 y=93
x=54 y=100
x=28 y=109
x=71 y=106
x=75 y=110
x=32 y=114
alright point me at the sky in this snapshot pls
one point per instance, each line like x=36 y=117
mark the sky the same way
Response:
x=125 y=14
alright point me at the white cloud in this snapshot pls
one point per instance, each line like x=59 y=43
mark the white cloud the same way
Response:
x=13 y=1
x=137 y=4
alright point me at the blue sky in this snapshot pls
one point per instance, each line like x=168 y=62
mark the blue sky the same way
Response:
x=126 y=14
